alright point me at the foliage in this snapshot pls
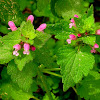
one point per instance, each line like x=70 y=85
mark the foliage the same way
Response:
x=56 y=60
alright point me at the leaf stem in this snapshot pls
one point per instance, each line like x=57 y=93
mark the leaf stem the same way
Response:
x=51 y=73
x=45 y=84
x=53 y=69
x=35 y=98
x=74 y=90
x=79 y=98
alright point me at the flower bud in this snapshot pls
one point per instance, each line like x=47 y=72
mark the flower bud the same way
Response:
x=31 y=18
x=12 y=26
x=79 y=35
x=41 y=27
x=98 y=32
x=72 y=20
x=96 y=46
x=76 y=16
x=72 y=37
x=33 y=48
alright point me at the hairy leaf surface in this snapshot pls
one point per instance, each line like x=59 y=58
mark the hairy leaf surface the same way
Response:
x=22 y=78
x=90 y=86
x=74 y=64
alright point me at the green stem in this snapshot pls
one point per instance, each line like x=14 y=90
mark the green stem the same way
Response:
x=51 y=73
x=53 y=69
x=45 y=84
x=79 y=98
x=74 y=90
x=35 y=98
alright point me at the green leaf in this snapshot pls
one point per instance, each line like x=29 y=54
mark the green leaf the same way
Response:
x=29 y=41
x=42 y=56
x=4 y=74
x=73 y=65
x=9 y=11
x=58 y=28
x=22 y=78
x=90 y=11
x=27 y=30
x=11 y=91
x=41 y=5
x=5 y=54
x=45 y=97
x=89 y=23
x=22 y=59
x=90 y=86
x=8 y=41
x=11 y=39
x=3 y=29
x=41 y=39
x=91 y=40
x=53 y=2
x=67 y=9
x=8 y=92
x=43 y=9
x=79 y=24
x=22 y=4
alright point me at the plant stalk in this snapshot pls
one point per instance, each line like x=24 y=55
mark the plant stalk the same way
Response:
x=45 y=84
x=51 y=73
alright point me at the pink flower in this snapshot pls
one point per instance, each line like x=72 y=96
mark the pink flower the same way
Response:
x=26 y=52
x=12 y=26
x=17 y=47
x=68 y=41
x=15 y=53
x=79 y=35
x=93 y=50
x=98 y=32
x=72 y=37
x=96 y=46
x=26 y=48
x=76 y=16
x=31 y=18
x=72 y=20
x=41 y=27
x=72 y=24
x=33 y=48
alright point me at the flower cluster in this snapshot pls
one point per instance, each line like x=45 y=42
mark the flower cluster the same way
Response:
x=31 y=18
x=96 y=45
x=73 y=37
x=26 y=46
x=93 y=48
x=73 y=22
